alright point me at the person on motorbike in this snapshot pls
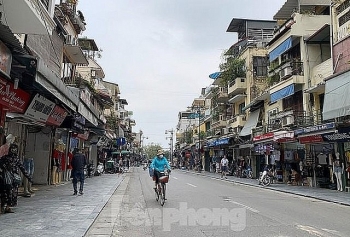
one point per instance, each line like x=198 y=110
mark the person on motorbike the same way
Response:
x=159 y=163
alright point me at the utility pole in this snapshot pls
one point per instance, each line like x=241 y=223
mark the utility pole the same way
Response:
x=171 y=131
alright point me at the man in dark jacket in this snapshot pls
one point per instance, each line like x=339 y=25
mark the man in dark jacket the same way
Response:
x=78 y=164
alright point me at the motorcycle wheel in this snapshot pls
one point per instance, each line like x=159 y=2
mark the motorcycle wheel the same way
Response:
x=266 y=181
x=250 y=175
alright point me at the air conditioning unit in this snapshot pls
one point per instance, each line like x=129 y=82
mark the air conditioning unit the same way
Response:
x=286 y=72
x=225 y=131
x=70 y=40
x=286 y=121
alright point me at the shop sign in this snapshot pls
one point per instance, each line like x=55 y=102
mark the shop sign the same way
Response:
x=5 y=59
x=16 y=100
x=78 y=123
x=57 y=116
x=40 y=108
x=83 y=136
x=343 y=135
x=311 y=139
x=283 y=136
x=316 y=128
x=265 y=136
x=223 y=141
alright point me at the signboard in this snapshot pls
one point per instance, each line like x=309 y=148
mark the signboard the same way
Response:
x=316 y=128
x=342 y=135
x=57 y=116
x=265 y=136
x=310 y=139
x=40 y=108
x=16 y=100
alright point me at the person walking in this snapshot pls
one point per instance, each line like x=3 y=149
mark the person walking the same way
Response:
x=10 y=165
x=78 y=164
x=224 y=164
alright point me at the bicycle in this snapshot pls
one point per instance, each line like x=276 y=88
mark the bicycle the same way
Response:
x=161 y=187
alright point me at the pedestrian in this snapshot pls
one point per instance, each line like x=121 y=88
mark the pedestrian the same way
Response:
x=10 y=165
x=78 y=164
x=224 y=164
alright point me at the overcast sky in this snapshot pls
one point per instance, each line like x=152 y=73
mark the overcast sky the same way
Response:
x=161 y=52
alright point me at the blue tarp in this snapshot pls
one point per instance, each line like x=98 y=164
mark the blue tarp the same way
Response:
x=283 y=93
x=215 y=75
x=280 y=49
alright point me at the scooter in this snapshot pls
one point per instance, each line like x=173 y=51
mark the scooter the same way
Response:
x=145 y=166
x=99 y=170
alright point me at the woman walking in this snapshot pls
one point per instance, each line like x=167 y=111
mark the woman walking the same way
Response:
x=10 y=166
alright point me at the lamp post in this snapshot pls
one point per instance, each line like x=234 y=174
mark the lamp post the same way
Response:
x=142 y=144
x=171 y=143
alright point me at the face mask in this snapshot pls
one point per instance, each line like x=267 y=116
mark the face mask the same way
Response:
x=160 y=156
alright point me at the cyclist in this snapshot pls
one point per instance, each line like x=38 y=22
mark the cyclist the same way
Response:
x=158 y=165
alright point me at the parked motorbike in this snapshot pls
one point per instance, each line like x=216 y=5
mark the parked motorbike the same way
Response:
x=145 y=166
x=266 y=177
x=247 y=173
x=90 y=170
x=99 y=170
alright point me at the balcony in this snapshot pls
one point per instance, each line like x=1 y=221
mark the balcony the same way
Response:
x=219 y=123
x=237 y=86
x=237 y=120
x=37 y=19
x=222 y=93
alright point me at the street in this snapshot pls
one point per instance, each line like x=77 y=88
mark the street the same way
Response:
x=203 y=206
x=197 y=205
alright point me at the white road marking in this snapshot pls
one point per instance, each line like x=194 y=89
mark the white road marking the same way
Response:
x=174 y=177
x=192 y=185
x=242 y=205
x=316 y=231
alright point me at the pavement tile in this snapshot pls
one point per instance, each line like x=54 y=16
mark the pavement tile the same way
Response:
x=54 y=211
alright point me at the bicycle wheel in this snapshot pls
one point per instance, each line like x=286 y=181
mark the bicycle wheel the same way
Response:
x=157 y=194
x=162 y=194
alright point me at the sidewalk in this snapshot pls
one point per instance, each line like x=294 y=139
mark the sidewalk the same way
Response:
x=54 y=211
x=323 y=194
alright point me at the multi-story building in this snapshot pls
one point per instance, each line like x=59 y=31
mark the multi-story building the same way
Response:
x=241 y=81
x=55 y=80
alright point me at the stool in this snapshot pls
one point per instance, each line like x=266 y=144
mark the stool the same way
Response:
x=347 y=189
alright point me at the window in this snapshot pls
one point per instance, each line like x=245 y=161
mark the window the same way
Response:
x=45 y=3
x=240 y=108
x=260 y=66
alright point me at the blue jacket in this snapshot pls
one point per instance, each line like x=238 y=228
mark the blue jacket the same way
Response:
x=159 y=164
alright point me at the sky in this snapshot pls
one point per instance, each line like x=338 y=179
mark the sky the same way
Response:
x=161 y=52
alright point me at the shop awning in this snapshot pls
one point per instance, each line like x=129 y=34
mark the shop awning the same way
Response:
x=280 y=49
x=75 y=54
x=283 y=93
x=320 y=87
x=337 y=97
x=250 y=124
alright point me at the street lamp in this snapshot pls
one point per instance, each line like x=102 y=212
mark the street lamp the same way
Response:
x=171 y=143
x=142 y=144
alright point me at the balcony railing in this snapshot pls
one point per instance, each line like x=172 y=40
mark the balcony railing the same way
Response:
x=285 y=71
x=237 y=86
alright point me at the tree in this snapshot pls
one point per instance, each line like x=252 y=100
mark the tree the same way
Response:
x=151 y=150
x=231 y=69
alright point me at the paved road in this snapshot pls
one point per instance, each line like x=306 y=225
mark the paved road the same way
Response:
x=204 y=206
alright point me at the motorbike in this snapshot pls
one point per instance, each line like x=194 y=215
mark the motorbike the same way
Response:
x=145 y=166
x=247 y=173
x=90 y=170
x=266 y=177
x=99 y=170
